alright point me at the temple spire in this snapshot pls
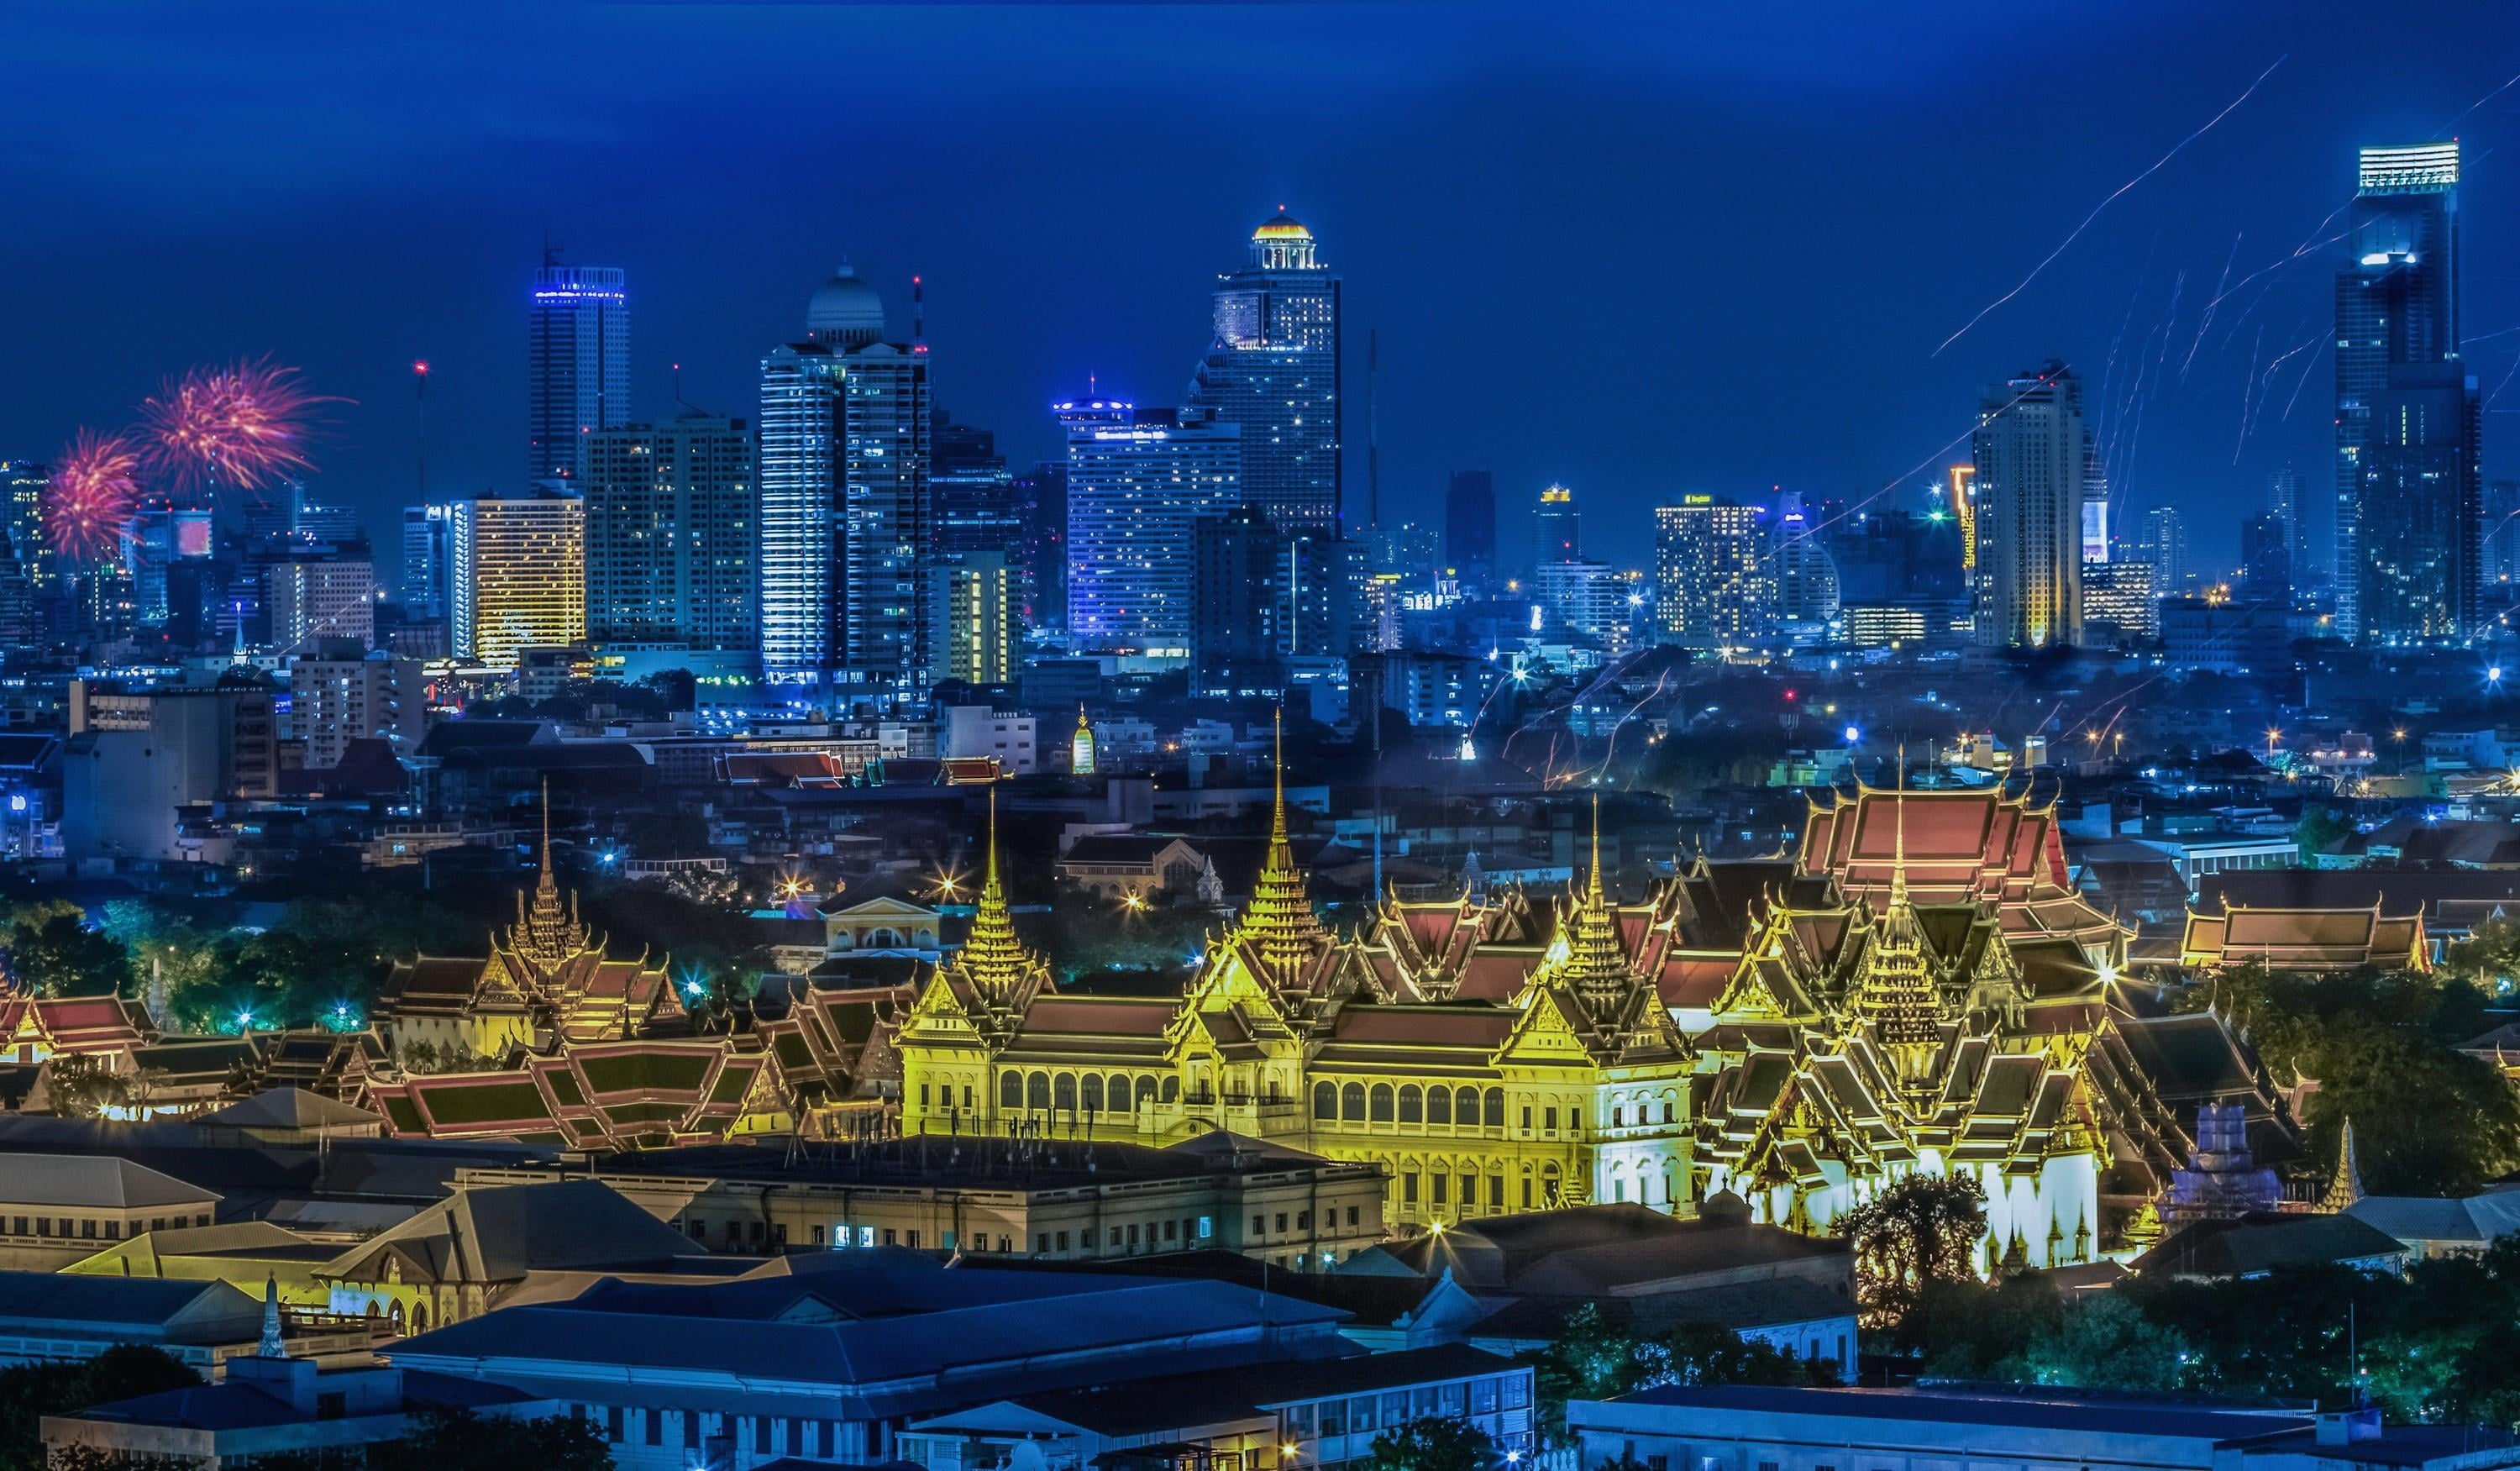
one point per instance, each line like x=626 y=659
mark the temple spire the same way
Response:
x=2347 y=1186
x=1597 y=963
x=992 y=957
x=271 y=1346
x=1280 y=918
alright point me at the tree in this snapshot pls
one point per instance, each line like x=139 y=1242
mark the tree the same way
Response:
x=1922 y=1230
x=1708 y=1354
x=83 y=1088
x=30 y=1392
x=458 y=1440
x=2319 y=830
x=2103 y=1341
x=55 y=954
x=1432 y=1444
x=1589 y=1358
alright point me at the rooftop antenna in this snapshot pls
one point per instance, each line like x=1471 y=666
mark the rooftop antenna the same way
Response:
x=918 y=315
x=420 y=454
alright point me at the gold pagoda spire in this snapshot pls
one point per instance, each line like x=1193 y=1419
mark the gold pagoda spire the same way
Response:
x=1280 y=922
x=548 y=932
x=1896 y=992
x=1597 y=964
x=992 y=957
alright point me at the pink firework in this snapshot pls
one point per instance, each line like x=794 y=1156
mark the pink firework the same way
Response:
x=232 y=428
x=94 y=486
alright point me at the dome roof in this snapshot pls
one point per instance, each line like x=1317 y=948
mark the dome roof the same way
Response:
x=845 y=310
x=1282 y=226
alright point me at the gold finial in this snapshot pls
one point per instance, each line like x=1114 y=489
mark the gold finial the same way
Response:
x=1278 y=824
x=1596 y=845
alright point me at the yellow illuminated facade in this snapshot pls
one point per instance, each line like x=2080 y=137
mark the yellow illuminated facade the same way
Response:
x=518 y=576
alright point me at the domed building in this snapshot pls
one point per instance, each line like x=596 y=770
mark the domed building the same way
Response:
x=845 y=312
x=1273 y=370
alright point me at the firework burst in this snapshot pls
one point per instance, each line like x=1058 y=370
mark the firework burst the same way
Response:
x=234 y=427
x=94 y=486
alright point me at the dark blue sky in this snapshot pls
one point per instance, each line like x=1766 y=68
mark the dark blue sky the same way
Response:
x=1636 y=249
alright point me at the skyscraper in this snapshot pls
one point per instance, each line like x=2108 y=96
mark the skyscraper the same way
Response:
x=670 y=535
x=311 y=597
x=1138 y=482
x=578 y=363
x=2501 y=532
x=1041 y=495
x=2397 y=305
x=517 y=576
x=2265 y=560
x=1273 y=372
x=1469 y=524
x=1712 y=584
x=23 y=482
x=846 y=506
x=1237 y=581
x=424 y=559
x=1556 y=526
x=2423 y=505
x=2031 y=456
x=2163 y=542
x=1585 y=597
x=974 y=620
x=1804 y=573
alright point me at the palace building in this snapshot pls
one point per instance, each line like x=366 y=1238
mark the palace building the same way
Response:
x=1568 y=1084
x=548 y=978
x=1918 y=989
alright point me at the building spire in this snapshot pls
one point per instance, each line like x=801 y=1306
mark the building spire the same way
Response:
x=1898 y=831
x=1597 y=963
x=996 y=962
x=1280 y=919
x=271 y=1346
x=2347 y=1186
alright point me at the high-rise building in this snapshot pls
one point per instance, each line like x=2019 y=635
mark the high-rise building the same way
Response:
x=424 y=559
x=2501 y=540
x=578 y=363
x=158 y=534
x=1469 y=524
x=974 y=620
x=2095 y=502
x=517 y=576
x=1712 y=585
x=23 y=483
x=1238 y=600
x=1138 y=482
x=979 y=508
x=1556 y=526
x=670 y=535
x=2397 y=305
x=2030 y=455
x=2266 y=559
x=1273 y=372
x=846 y=506
x=2422 y=502
x=1585 y=597
x=2118 y=601
x=1042 y=492
x=2285 y=503
x=1325 y=594
x=1805 y=575
x=2163 y=542
x=310 y=598
x=340 y=692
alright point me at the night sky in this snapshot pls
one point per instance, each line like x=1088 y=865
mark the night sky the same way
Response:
x=1636 y=254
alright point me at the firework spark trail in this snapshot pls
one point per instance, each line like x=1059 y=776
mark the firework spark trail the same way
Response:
x=2479 y=102
x=2205 y=323
x=236 y=427
x=2248 y=393
x=2114 y=195
x=1609 y=753
x=2250 y=422
x=94 y=485
x=2304 y=381
x=2505 y=384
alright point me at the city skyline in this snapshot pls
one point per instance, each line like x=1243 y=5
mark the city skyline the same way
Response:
x=1019 y=326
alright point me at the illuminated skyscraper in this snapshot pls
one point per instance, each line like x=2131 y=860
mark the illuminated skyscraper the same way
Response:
x=2397 y=306
x=2163 y=542
x=1273 y=372
x=1139 y=481
x=974 y=622
x=670 y=535
x=578 y=363
x=2423 y=505
x=1556 y=526
x=846 y=506
x=311 y=597
x=424 y=559
x=1713 y=586
x=517 y=576
x=1805 y=575
x=2030 y=455
x=23 y=483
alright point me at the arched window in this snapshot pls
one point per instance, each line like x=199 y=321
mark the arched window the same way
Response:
x=1326 y=1100
x=1352 y=1103
x=1117 y=1093
x=1666 y=1110
x=1091 y=1093
x=1413 y=1104
x=1037 y=1090
x=1496 y=1109
x=1465 y=1107
x=1380 y=1112
x=1439 y=1105
x=1618 y=1117
x=1172 y=1088
x=1011 y=1090
x=1064 y=1092
x=420 y=1318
